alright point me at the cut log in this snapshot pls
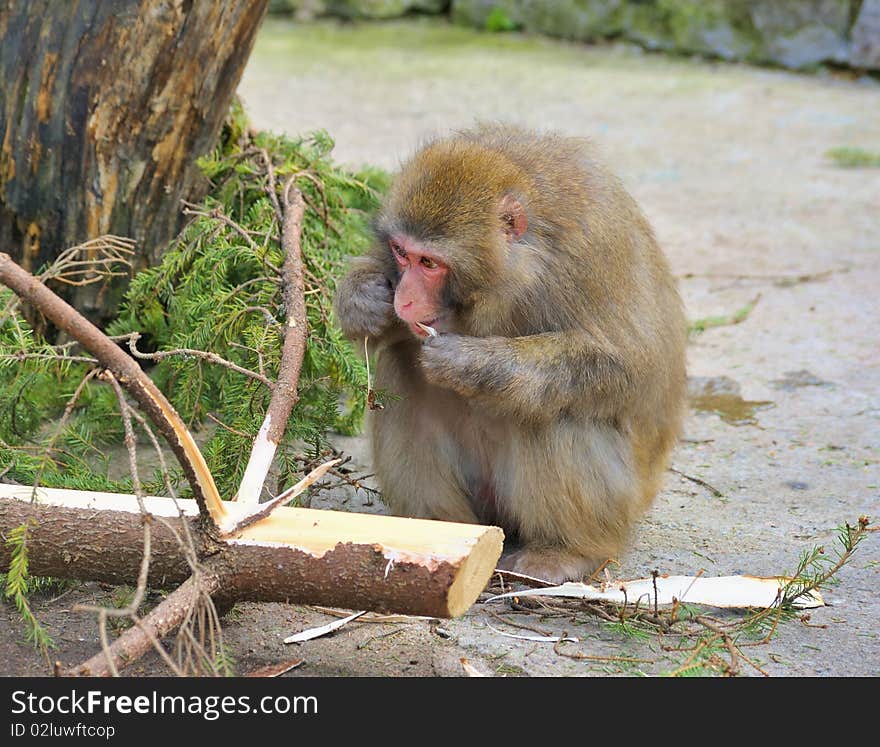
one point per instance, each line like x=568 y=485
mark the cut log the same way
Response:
x=356 y=561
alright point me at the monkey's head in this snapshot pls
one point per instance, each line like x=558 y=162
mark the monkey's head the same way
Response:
x=448 y=224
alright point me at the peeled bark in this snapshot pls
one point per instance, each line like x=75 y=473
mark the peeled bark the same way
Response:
x=106 y=105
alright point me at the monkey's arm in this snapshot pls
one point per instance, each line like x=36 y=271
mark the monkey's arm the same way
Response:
x=364 y=299
x=538 y=376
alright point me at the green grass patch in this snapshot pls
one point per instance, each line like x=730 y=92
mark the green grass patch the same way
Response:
x=854 y=158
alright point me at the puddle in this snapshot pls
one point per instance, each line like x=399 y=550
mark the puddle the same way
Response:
x=721 y=395
x=792 y=380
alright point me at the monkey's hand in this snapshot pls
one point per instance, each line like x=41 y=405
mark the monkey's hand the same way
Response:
x=537 y=376
x=364 y=304
x=461 y=363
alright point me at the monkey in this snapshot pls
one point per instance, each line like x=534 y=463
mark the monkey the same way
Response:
x=553 y=392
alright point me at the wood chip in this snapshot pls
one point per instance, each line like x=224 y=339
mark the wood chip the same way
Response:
x=307 y=635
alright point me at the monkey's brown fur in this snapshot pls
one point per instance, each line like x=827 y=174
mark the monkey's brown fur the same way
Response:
x=551 y=399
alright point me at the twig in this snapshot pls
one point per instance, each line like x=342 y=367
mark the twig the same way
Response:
x=728 y=641
x=734 y=650
x=654 y=575
x=272 y=188
x=372 y=402
x=262 y=510
x=187 y=543
x=106 y=650
x=62 y=423
x=22 y=356
x=129 y=373
x=717 y=493
x=218 y=215
x=700 y=646
x=599 y=611
x=595 y=574
x=195 y=653
x=158 y=647
x=805 y=620
x=227 y=428
x=557 y=649
x=389 y=634
x=795 y=588
x=521 y=626
x=69 y=269
x=130 y=610
x=193 y=353
x=136 y=641
x=276 y=670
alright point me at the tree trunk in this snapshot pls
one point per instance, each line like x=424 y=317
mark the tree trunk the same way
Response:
x=105 y=105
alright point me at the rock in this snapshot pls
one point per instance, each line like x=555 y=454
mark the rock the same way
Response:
x=376 y=9
x=574 y=19
x=303 y=10
x=791 y=33
x=865 y=37
x=476 y=13
x=567 y=19
x=383 y=8
x=800 y=33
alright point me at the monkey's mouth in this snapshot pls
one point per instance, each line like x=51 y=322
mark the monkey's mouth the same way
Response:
x=419 y=331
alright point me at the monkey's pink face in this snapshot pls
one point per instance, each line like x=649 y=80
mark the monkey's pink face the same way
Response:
x=419 y=293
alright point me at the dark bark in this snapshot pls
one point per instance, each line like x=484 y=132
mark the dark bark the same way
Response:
x=104 y=545
x=105 y=105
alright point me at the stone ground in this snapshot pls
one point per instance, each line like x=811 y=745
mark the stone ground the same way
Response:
x=729 y=164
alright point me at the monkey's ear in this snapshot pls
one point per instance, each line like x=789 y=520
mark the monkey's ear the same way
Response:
x=513 y=217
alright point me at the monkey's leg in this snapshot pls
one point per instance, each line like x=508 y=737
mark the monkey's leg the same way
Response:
x=418 y=470
x=550 y=564
x=417 y=455
x=572 y=493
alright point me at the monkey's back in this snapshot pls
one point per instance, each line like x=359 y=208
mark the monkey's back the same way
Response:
x=595 y=259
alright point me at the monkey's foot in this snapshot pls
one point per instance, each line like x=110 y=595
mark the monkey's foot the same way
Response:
x=555 y=566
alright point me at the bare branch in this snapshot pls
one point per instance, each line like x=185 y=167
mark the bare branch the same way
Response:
x=193 y=353
x=284 y=395
x=126 y=370
x=136 y=641
x=713 y=490
x=264 y=509
x=91 y=261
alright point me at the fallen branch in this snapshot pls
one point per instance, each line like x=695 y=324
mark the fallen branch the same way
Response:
x=308 y=556
x=284 y=394
x=129 y=374
x=136 y=641
x=271 y=553
x=205 y=355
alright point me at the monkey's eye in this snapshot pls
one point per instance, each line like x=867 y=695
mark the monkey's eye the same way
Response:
x=398 y=250
x=429 y=263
